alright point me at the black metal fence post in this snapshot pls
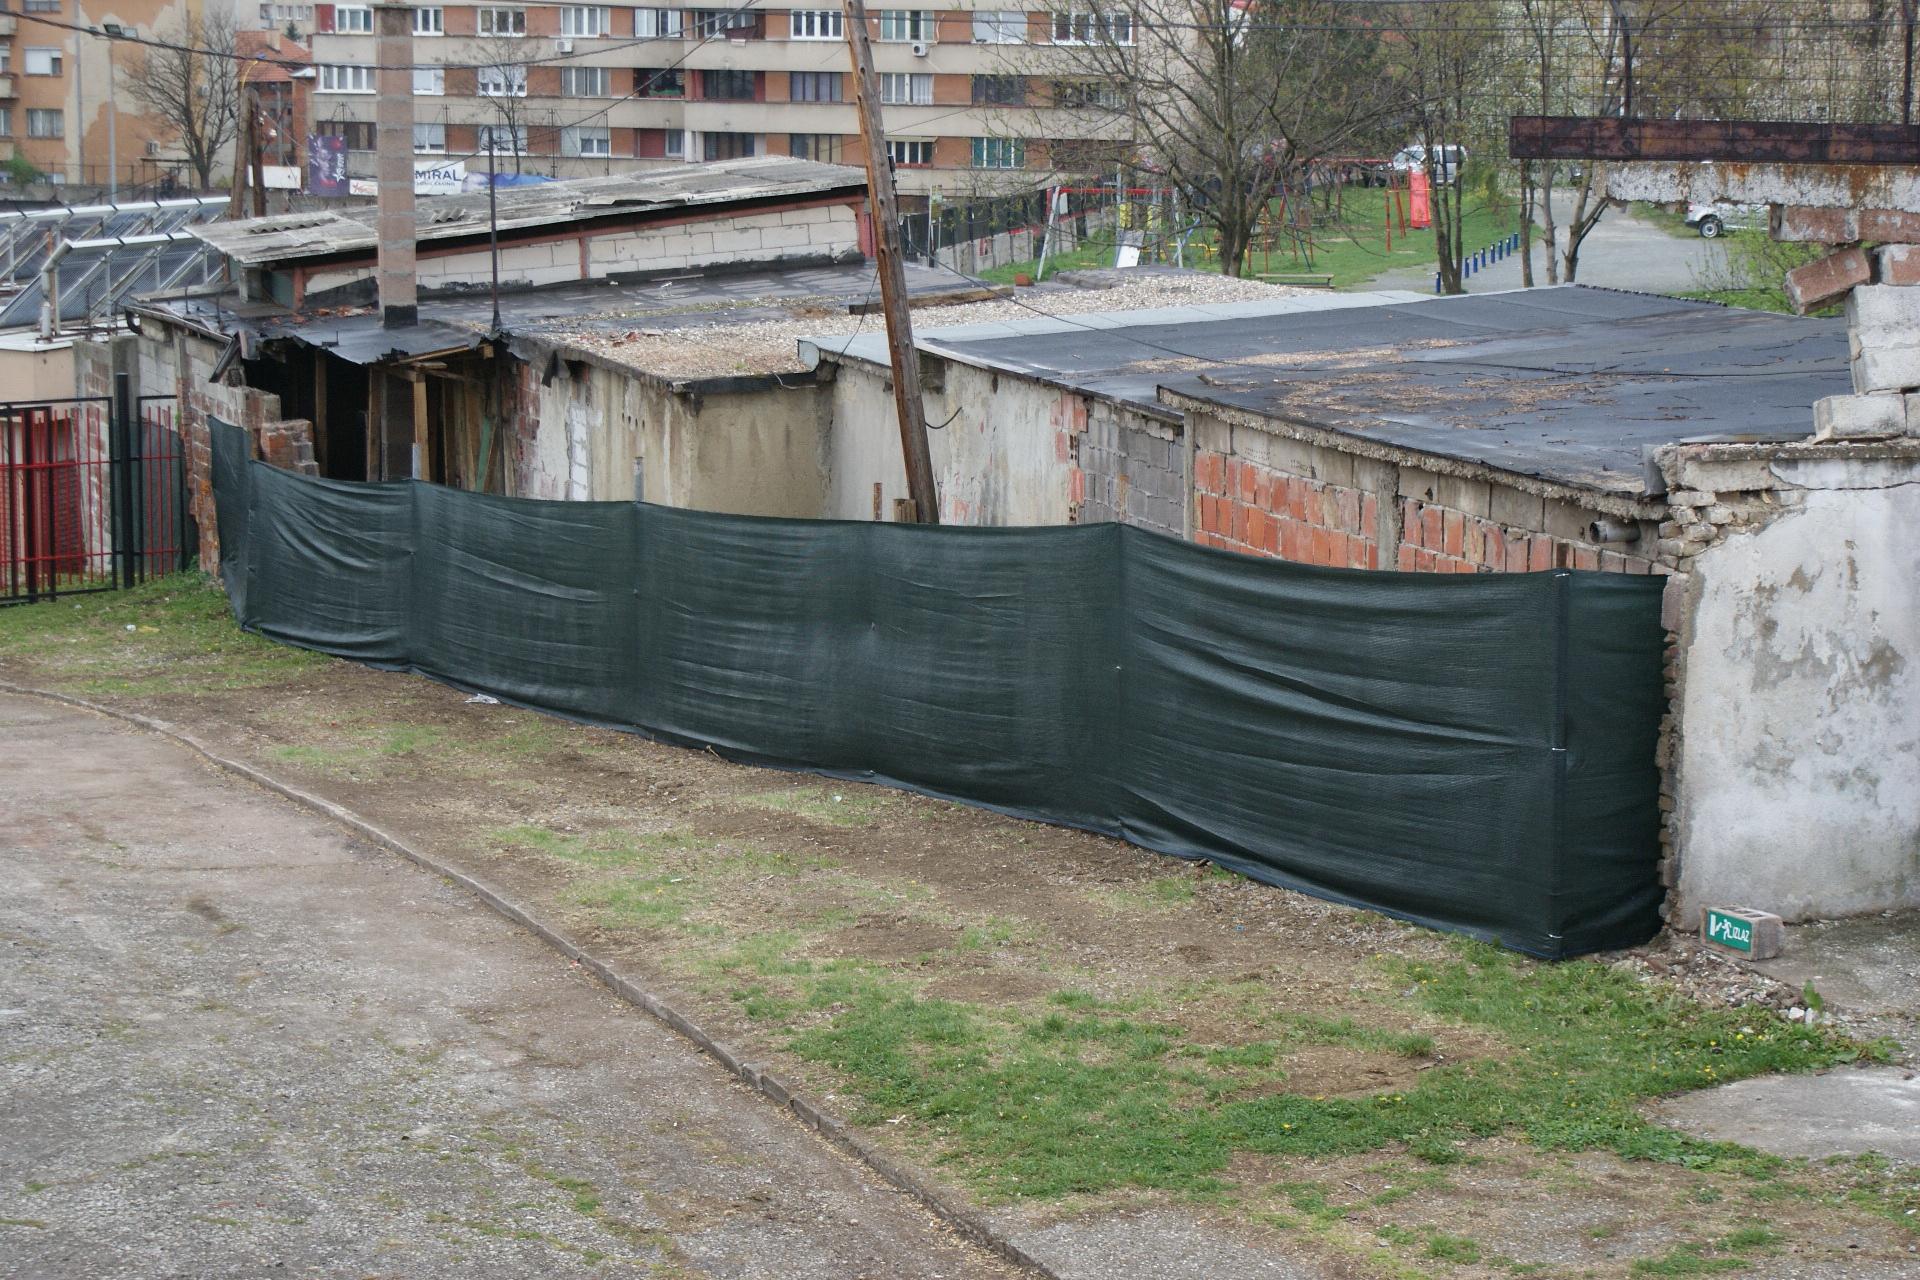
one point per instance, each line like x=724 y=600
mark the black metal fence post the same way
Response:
x=119 y=479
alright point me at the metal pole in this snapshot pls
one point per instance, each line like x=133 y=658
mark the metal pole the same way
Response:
x=119 y=469
x=113 y=134
x=885 y=212
x=493 y=220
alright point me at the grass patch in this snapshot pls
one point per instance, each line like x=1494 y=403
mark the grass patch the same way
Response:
x=1348 y=243
x=1162 y=893
x=1730 y=1253
x=835 y=807
x=171 y=635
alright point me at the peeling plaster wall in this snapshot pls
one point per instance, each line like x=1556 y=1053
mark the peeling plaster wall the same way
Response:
x=746 y=452
x=1799 y=770
x=1006 y=455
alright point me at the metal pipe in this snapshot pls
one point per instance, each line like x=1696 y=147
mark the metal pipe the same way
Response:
x=1608 y=529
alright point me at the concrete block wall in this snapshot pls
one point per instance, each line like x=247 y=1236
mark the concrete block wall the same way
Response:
x=576 y=253
x=1129 y=468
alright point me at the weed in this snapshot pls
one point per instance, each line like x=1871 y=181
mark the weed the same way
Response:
x=1446 y=1248
x=838 y=807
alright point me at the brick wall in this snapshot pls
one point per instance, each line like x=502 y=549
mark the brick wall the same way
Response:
x=1245 y=506
x=1261 y=492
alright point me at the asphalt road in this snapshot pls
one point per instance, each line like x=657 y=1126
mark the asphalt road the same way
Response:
x=1622 y=252
x=235 y=1042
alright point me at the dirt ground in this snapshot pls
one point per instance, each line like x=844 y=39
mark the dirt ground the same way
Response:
x=807 y=920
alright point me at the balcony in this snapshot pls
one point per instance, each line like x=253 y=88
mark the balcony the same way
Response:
x=6 y=87
x=8 y=24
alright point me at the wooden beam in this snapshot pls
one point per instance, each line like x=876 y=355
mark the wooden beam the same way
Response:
x=422 y=452
x=1729 y=141
x=885 y=209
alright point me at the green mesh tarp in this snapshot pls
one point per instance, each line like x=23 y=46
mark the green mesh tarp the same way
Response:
x=1474 y=752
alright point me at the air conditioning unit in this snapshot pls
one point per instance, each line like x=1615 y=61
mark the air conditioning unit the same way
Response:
x=919 y=48
x=563 y=46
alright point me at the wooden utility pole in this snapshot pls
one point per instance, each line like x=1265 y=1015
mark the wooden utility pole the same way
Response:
x=256 y=177
x=885 y=211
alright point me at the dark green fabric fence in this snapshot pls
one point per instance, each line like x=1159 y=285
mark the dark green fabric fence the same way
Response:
x=1472 y=752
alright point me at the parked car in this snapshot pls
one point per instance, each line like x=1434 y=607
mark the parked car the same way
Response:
x=1714 y=220
x=1447 y=163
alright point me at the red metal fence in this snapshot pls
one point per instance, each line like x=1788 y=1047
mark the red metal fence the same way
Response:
x=92 y=495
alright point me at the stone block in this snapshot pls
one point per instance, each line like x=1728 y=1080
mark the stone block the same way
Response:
x=1886 y=368
x=1897 y=264
x=1743 y=931
x=1518 y=510
x=1887 y=226
x=1862 y=417
x=1819 y=283
x=1812 y=224
x=1875 y=307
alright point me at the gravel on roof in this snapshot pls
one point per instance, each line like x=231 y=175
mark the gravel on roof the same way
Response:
x=719 y=349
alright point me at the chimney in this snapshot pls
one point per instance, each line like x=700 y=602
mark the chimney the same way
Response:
x=393 y=164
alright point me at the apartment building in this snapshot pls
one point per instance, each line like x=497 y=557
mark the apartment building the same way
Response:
x=57 y=88
x=978 y=100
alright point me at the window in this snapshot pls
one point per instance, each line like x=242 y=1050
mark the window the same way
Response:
x=898 y=26
x=42 y=62
x=726 y=146
x=1003 y=27
x=999 y=91
x=430 y=139
x=337 y=78
x=727 y=86
x=824 y=147
x=910 y=153
x=503 y=22
x=1073 y=27
x=904 y=88
x=6 y=59
x=6 y=122
x=279 y=16
x=656 y=23
x=676 y=144
x=358 y=134
x=1086 y=93
x=506 y=139
x=430 y=22
x=508 y=80
x=815 y=24
x=41 y=6
x=429 y=82
x=586 y=21
x=815 y=86
x=710 y=24
x=586 y=82
x=352 y=20
x=999 y=153
x=668 y=83
x=586 y=140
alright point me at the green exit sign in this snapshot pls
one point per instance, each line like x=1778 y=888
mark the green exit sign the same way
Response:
x=1729 y=930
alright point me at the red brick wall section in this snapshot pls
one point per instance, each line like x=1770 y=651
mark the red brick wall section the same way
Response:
x=1437 y=539
x=1242 y=506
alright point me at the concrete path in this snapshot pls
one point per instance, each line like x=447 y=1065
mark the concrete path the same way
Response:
x=1623 y=252
x=1837 y=1113
x=234 y=1043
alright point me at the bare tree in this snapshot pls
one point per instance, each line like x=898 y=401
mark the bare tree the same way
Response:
x=1228 y=103
x=501 y=67
x=194 y=88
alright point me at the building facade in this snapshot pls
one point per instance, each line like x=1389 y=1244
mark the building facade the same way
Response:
x=977 y=100
x=59 y=89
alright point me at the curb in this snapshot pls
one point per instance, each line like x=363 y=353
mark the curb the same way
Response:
x=829 y=1126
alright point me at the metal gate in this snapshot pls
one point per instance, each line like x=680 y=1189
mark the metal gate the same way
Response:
x=92 y=494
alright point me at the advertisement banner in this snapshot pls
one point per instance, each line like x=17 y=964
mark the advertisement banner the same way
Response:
x=327 y=165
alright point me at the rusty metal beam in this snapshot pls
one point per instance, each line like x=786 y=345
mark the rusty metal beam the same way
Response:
x=1735 y=141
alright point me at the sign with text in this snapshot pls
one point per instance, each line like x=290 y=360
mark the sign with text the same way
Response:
x=444 y=179
x=1729 y=930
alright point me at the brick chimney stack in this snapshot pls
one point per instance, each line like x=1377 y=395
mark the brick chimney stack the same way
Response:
x=393 y=161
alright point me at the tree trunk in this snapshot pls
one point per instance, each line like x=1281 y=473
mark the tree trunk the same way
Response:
x=1548 y=232
x=1528 y=194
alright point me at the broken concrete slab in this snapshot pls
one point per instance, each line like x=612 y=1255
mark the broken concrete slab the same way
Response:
x=1839 y=1113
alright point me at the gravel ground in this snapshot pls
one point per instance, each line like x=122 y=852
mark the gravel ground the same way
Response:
x=720 y=349
x=234 y=1043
